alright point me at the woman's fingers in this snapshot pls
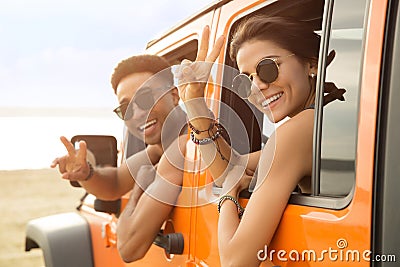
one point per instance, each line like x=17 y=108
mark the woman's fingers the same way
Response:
x=216 y=49
x=333 y=93
x=203 y=49
x=193 y=76
x=188 y=71
x=330 y=57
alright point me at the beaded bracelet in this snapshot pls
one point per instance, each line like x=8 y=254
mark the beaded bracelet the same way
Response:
x=207 y=140
x=91 y=171
x=239 y=207
x=201 y=131
x=211 y=117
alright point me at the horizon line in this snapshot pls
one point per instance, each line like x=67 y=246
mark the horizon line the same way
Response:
x=55 y=112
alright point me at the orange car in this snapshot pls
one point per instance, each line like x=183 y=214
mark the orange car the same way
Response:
x=349 y=218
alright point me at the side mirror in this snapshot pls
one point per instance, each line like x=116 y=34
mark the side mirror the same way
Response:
x=104 y=150
x=103 y=147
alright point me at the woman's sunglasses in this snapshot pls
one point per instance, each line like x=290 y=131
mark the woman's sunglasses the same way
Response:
x=144 y=99
x=267 y=70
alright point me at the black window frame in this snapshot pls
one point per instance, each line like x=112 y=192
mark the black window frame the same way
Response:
x=315 y=199
x=385 y=238
x=250 y=116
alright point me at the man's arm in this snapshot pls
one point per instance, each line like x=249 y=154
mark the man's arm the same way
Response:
x=107 y=183
x=139 y=224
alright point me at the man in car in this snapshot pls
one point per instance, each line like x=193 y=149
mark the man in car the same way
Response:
x=148 y=101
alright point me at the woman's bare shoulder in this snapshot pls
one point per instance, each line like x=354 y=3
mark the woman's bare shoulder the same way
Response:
x=290 y=145
x=294 y=137
x=300 y=124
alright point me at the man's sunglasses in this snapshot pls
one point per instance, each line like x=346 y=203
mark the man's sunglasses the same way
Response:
x=267 y=70
x=144 y=99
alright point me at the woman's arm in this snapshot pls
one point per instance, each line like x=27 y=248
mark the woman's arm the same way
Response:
x=286 y=158
x=220 y=157
x=193 y=77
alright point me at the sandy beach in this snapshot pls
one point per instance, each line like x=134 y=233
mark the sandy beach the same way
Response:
x=26 y=195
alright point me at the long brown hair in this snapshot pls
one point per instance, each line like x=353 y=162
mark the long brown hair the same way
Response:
x=295 y=36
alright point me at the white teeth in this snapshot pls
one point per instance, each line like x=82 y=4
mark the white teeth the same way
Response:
x=268 y=101
x=147 y=124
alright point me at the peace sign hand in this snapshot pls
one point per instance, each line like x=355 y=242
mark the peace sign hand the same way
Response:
x=193 y=76
x=73 y=166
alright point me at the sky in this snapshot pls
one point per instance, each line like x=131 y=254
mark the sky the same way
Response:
x=56 y=60
x=61 y=53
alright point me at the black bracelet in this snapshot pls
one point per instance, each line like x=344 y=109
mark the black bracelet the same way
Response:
x=239 y=207
x=207 y=140
x=91 y=171
x=201 y=131
x=212 y=118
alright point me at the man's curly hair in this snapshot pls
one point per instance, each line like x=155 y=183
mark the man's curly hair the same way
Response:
x=138 y=64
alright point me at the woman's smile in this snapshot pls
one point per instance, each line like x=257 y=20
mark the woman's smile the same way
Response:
x=271 y=101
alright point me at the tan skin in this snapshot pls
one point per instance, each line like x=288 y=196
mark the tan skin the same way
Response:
x=275 y=180
x=111 y=183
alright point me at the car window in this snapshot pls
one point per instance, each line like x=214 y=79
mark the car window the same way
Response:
x=339 y=125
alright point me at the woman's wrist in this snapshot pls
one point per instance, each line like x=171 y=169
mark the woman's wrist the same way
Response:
x=201 y=118
x=233 y=192
x=202 y=127
x=232 y=199
x=197 y=109
x=229 y=189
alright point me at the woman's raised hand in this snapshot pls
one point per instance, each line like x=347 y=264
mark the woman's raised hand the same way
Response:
x=193 y=76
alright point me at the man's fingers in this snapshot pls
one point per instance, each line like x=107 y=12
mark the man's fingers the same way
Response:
x=54 y=163
x=203 y=49
x=61 y=164
x=82 y=153
x=216 y=49
x=68 y=145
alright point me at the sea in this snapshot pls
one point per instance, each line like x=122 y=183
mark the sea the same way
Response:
x=30 y=138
